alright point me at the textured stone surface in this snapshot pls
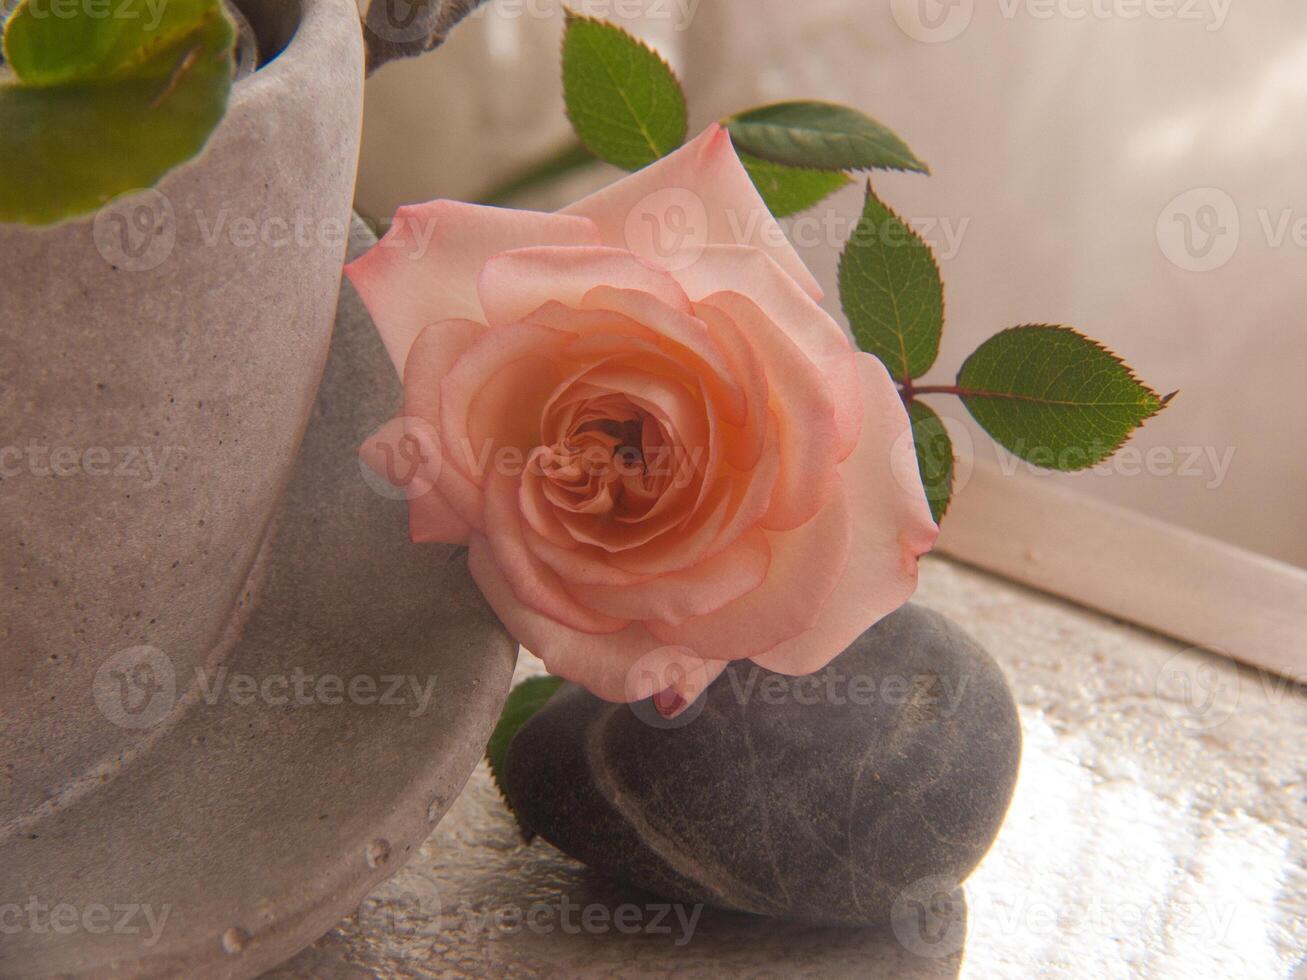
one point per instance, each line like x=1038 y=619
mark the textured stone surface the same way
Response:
x=1148 y=836
x=818 y=798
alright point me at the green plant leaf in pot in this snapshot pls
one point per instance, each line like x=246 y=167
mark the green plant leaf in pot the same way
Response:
x=891 y=291
x=624 y=102
x=99 y=105
x=1053 y=396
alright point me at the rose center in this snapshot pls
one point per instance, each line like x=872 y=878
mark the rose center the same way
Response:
x=601 y=463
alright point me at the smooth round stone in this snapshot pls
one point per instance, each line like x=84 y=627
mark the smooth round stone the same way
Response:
x=823 y=798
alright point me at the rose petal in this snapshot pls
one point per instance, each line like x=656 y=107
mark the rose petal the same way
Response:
x=469 y=437
x=737 y=502
x=533 y=582
x=515 y=283
x=892 y=527
x=753 y=275
x=702 y=183
x=431 y=518
x=679 y=674
x=803 y=403
x=743 y=444
x=676 y=596
x=606 y=664
x=679 y=334
x=425 y=267
x=807 y=563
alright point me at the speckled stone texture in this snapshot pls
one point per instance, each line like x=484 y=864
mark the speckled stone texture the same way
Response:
x=818 y=798
x=1158 y=829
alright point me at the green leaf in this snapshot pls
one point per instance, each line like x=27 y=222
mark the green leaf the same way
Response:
x=524 y=701
x=99 y=105
x=789 y=190
x=623 y=100
x=891 y=291
x=934 y=456
x=1054 y=397
x=820 y=135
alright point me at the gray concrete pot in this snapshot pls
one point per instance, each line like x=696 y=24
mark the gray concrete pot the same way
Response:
x=159 y=365
x=168 y=542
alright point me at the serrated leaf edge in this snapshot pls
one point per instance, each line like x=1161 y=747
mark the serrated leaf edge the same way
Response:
x=569 y=17
x=943 y=298
x=1162 y=402
x=922 y=167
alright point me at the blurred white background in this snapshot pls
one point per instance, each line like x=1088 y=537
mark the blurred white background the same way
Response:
x=1133 y=168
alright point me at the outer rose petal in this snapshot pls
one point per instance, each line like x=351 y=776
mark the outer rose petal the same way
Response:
x=676 y=596
x=803 y=405
x=807 y=564
x=425 y=268
x=515 y=283
x=892 y=528
x=612 y=666
x=704 y=172
x=723 y=270
x=430 y=518
x=432 y=356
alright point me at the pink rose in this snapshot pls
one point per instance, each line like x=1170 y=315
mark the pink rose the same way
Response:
x=660 y=451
